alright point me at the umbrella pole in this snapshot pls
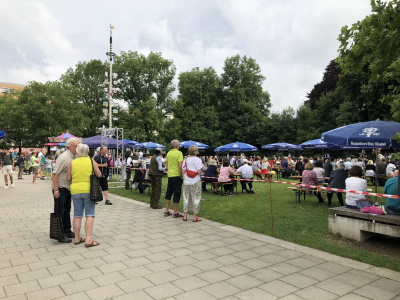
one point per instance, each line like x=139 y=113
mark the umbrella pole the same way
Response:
x=376 y=178
x=270 y=204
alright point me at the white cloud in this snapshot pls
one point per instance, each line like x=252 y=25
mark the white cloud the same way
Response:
x=293 y=41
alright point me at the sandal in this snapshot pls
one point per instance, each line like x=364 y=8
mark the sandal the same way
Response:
x=183 y=219
x=82 y=240
x=197 y=220
x=93 y=243
x=177 y=215
x=166 y=214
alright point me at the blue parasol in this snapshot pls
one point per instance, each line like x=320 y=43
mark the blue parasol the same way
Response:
x=150 y=145
x=187 y=144
x=281 y=146
x=366 y=135
x=2 y=134
x=236 y=147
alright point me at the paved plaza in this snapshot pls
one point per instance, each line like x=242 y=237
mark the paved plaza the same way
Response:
x=144 y=255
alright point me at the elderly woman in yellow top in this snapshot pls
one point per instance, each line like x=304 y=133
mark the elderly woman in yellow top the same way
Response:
x=79 y=172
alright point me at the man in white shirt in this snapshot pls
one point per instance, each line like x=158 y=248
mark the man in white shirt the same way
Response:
x=247 y=173
x=348 y=164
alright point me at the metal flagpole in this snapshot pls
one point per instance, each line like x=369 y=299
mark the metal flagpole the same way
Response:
x=110 y=89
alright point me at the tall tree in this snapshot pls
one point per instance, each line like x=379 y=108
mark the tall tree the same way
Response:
x=146 y=85
x=369 y=59
x=244 y=105
x=196 y=110
x=88 y=78
x=43 y=109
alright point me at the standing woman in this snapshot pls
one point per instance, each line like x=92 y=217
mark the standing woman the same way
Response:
x=35 y=166
x=192 y=185
x=78 y=173
x=21 y=165
x=156 y=173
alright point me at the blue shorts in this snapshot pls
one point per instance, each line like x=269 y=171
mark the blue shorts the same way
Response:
x=82 y=201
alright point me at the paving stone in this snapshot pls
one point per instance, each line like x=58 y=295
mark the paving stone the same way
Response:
x=135 y=284
x=160 y=266
x=43 y=264
x=228 y=259
x=185 y=271
x=63 y=268
x=207 y=265
x=55 y=280
x=155 y=257
x=204 y=255
x=105 y=292
x=194 y=295
x=48 y=293
x=314 y=293
x=108 y=278
x=139 y=271
x=302 y=262
x=266 y=274
x=213 y=276
x=85 y=273
x=112 y=267
x=134 y=295
x=8 y=280
x=182 y=260
x=352 y=296
x=14 y=270
x=161 y=277
x=387 y=284
x=255 y=263
x=190 y=283
x=221 y=289
x=317 y=273
x=163 y=291
x=278 y=288
x=374 y=292
x=246 y=254
x=299 y=280
x=78 y=286
x=284 y=268
x=256 y=293
x=21 y=288
x=335 y=286
x=37 y=274
x=138 y=261
x=334 y=267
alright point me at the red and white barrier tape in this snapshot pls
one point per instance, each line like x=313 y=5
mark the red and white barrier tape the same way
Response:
x=310 y=186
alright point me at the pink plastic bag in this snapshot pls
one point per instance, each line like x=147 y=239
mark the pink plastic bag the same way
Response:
x=372 y=210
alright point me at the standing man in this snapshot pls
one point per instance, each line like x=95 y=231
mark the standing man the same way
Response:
x=8 y=167
x=103 y=162
x=61 y=187
x=173 y=164
x=156 y=173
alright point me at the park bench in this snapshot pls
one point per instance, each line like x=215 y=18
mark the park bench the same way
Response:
x=298 y=191
x=351 y=223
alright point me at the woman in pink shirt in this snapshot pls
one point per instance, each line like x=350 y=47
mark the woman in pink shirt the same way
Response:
x=224 y=174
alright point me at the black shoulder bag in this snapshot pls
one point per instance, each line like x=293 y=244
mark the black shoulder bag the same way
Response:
x=96 y=194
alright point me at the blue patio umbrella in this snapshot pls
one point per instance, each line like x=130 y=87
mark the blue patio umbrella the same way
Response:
x=2 y=134
x=364 y=135
x=317 y=143
x=96 y=141
x=131 y=142
x=137 y=146
x=187 y=144
x=281 y=146
x=151 y=145
x=236 y=147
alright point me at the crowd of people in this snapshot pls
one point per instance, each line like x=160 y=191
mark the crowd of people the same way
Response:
x=70 y=172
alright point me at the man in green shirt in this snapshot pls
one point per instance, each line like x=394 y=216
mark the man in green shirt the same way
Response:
x=173 y=165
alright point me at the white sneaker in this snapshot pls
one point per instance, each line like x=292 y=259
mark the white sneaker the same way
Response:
x=6 y=187
x=12 y=185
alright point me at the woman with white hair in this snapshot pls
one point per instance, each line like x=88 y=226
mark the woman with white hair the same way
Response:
x=78 y=173
x=192 y=168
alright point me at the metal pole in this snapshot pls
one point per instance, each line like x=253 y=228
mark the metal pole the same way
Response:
x=110 y=91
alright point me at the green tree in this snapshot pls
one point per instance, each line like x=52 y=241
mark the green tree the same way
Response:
x=48 y=109
x=369 y=59
x=244 y=105
x=196 y=108
x=88 y=79
x=146 y=85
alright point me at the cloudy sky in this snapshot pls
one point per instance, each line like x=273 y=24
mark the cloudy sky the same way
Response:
x=292 y=40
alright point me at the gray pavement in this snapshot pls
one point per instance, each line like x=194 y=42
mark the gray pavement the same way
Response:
x=144 y=255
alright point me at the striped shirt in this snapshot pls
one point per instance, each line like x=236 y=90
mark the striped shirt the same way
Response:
x=61 y=168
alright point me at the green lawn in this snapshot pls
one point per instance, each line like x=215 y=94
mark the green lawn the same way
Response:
x=304 y=224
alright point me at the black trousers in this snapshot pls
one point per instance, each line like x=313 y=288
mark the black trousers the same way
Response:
x=174 y=188
x=62 y=206
x=128 y=176
x=339 y=195
x=155 y=194
x=243 y=183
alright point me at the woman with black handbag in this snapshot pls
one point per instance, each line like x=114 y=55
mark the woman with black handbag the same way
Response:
x=79 y=172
